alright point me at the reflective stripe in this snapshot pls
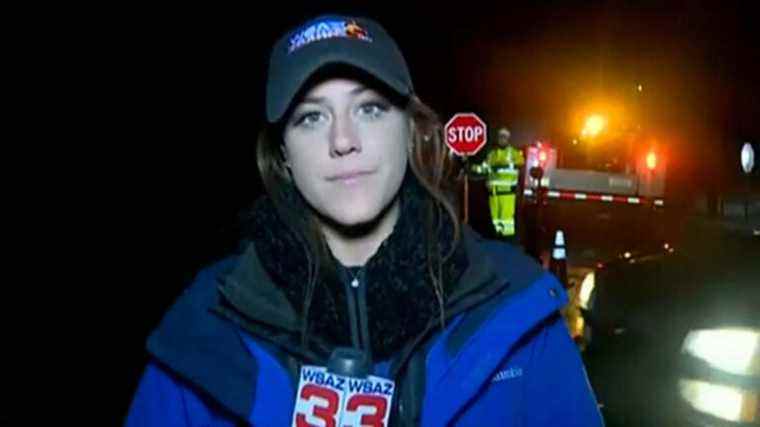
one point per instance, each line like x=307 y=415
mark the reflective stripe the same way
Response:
x=511 y=171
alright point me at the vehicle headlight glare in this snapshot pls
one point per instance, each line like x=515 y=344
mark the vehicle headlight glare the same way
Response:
x=733 y=350
x=725 y=402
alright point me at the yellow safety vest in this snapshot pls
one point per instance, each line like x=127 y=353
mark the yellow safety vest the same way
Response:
x=503 y=165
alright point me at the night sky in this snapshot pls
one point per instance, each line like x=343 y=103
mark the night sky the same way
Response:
x=191 y=79
x=178 y=97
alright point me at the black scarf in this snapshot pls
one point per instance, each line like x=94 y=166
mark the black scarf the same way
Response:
x=401 y=300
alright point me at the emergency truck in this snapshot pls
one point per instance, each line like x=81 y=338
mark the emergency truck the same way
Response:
x=612 y=177
x=609 y=200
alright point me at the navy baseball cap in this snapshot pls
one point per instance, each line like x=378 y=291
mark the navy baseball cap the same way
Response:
x=360 y=43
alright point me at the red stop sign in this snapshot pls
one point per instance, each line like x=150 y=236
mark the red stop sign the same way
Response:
x=465 y=134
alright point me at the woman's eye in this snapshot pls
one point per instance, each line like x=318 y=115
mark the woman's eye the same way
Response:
x=372 y=110
x=309 y=118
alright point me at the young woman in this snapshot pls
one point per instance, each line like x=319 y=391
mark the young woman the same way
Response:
x=359 y=298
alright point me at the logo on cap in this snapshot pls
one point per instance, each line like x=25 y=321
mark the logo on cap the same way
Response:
x=328 y=29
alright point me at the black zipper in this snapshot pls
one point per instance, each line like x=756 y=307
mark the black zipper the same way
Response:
x=357 y=306
x=354 y=292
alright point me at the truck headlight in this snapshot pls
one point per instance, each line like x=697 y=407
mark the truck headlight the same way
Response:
x=733 y=350
x=721 y=401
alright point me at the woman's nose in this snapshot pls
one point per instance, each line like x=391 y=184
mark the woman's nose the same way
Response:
x=343 y=139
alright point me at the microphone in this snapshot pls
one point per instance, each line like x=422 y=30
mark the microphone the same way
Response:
x=349 y=362
x=344 y=393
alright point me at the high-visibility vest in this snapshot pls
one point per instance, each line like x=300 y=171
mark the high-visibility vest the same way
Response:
x=503 y=167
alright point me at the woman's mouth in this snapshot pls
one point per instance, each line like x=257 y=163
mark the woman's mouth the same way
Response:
x=349 y=177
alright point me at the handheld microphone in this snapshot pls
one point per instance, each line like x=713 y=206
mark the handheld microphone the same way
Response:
x=350 y=362
x=344 y=393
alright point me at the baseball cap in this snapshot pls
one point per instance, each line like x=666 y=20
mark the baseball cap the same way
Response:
x=360 y=43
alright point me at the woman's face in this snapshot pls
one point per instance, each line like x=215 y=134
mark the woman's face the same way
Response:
x=346 y=148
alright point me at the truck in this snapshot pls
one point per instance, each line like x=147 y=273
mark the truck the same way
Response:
x=614 y=176
x=607 y=197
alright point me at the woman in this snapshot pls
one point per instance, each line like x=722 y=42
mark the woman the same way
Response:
x=358 y=298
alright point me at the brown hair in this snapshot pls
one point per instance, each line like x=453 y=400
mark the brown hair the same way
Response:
x=430 y=163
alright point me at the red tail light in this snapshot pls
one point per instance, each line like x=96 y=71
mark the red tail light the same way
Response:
x=542 y=156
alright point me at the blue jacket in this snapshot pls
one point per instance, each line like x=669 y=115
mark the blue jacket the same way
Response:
x=504 y=359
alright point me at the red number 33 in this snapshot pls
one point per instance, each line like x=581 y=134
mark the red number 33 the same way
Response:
x=328 y=413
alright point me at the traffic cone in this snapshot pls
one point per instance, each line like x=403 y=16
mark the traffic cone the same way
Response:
x=558 y=261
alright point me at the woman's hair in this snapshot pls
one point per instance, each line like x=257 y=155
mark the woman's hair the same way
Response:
x=428 y=160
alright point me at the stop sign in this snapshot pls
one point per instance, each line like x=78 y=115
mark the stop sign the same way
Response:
x=465 y=134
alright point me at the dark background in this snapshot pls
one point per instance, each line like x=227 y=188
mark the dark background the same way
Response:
x=160 y=107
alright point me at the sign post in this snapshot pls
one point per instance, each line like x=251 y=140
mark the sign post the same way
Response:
x=748 y=158
x=748 y=162
x=465 y=135
x=466 y=190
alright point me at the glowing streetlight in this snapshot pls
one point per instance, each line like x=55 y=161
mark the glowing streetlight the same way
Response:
x=594 y=125
x=651 y=160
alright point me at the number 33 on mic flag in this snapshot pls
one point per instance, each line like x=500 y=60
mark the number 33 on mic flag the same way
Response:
x=325 y=399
